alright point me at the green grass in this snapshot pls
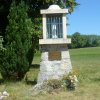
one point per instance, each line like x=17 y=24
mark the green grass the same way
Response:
x=85 y=61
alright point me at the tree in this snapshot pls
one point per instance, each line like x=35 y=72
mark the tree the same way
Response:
x=34 y=14
x=15 y=59
x=33 y=11
x=92 y=40
x=95 y=43
x=17 y=38
x=78 y=40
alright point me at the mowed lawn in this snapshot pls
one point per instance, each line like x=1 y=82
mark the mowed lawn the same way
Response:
x=85 y=61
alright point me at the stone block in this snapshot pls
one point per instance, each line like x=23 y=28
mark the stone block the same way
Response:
x=56 y=68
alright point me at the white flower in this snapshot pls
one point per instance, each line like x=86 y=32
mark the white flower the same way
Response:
x=72 y=81
x=75 y=78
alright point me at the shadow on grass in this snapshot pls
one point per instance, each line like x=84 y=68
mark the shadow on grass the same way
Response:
x=31 y=76
x=1 y=81
x=35 y=66
x=27 y=79
x=30 y=82
x=96 y=79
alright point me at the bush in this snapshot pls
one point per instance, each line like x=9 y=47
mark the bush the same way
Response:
x=70 y=81
x=54 y=83
x=14 y=60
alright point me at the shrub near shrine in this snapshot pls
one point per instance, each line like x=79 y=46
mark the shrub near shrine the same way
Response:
x=14 y=62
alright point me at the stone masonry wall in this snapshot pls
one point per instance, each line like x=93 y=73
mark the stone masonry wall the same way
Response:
x=57 y=68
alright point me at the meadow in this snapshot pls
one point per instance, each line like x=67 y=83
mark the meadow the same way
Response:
x=86 y=63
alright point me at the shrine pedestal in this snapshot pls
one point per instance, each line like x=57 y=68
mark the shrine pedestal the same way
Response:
x=55 y=62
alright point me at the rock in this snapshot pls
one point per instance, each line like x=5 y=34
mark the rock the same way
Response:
x=1 y=97
x=0 y=94
x=5 y=93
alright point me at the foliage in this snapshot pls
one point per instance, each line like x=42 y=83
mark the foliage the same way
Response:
x=80 y=41
x=70 y=81
x=34 y=14
x=54 y=84
x=34 y=9
x=36 y=5
x=77 y=40
x=15 y=59
x=47 y=86
x=1 y=42
x=92 y=40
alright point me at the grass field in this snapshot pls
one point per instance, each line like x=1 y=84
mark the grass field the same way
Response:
x=87 y=64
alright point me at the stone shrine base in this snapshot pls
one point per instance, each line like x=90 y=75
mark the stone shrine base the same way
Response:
x=55 y=62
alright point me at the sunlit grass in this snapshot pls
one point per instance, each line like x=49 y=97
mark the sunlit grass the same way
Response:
x=87 y=63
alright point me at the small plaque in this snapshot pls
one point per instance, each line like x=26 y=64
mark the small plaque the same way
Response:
x=54 y=55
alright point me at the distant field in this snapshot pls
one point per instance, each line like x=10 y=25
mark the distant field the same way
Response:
x=85 y=61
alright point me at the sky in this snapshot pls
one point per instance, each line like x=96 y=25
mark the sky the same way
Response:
x=86 y=18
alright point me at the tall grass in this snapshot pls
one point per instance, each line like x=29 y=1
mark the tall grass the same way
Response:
x=87 y=64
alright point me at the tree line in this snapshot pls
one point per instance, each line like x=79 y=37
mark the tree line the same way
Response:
x=82 y=41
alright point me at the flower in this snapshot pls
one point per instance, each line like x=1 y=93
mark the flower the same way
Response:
x=75 y=78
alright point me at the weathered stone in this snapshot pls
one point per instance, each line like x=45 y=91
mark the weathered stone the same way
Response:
x=3 y=95
x=53 y=47
x=55 y=58
x=56 y=68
